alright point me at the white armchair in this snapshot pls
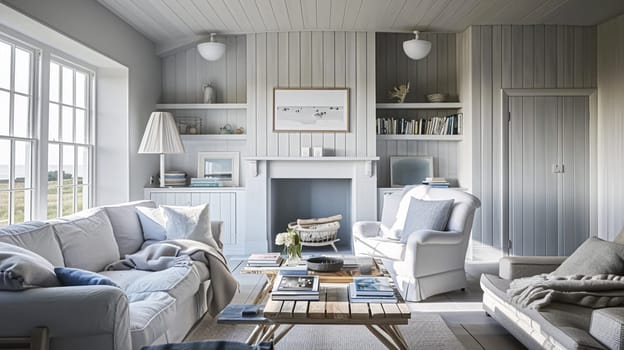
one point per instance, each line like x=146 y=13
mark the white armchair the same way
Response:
x=429 y=262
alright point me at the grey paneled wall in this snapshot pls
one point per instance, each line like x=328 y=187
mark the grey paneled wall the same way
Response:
x=311 y=59
x=610 y=127
x=435 y=73
x=514 y=56
x=185 y=71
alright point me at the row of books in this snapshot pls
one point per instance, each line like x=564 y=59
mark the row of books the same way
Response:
x=296 y=288
x=372 y=290
x=204 y=182
x=449 y=125
x=437 y=182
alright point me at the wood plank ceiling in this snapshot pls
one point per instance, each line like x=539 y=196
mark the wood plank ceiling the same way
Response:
x=173 y=23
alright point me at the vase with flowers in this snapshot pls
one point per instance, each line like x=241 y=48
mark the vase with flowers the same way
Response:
x=292 y=245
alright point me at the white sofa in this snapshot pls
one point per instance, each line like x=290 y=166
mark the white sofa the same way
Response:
x=429 y=262
x=150 y=308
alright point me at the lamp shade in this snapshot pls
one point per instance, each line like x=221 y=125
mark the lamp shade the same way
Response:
x=211 y=50
x=161 y=135
x=416 y=48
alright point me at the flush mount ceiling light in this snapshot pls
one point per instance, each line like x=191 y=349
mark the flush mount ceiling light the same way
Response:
x=416 y=48
x=211 y=50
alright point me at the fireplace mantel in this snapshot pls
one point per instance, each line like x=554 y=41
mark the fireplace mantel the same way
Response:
x=253 y=161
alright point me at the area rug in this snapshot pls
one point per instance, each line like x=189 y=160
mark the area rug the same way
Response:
x=424 y=331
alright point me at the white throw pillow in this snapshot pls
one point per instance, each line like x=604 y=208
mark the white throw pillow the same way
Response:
x=153 y=223
x=173 y=222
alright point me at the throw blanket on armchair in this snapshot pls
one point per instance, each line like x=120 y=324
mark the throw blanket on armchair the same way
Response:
x=180 y=252
x=595 y=292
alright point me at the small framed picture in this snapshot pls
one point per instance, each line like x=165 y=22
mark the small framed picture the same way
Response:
x=405 y=171
x=222 y=167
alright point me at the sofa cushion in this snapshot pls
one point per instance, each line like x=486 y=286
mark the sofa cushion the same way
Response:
x=124 y=278
x=380 y=247
x=150 y=316
x=179 y=282
x=424 y=215
x=126 y=225
x=153 y=223
x=594 y=257
x=35 y=236
x=76 y=277
x=87 y=240
x=22 y=269
x=607 y=325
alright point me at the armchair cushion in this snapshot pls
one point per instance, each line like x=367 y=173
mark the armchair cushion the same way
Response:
x=424 y=215
x=21 y=269
x=594 y=257
x=607 y=325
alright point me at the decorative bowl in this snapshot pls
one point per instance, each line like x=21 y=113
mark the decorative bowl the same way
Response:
x=325 y=264
x=436 y=97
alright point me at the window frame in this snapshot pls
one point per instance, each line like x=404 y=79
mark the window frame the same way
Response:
x=89 y=143
x=30 y=202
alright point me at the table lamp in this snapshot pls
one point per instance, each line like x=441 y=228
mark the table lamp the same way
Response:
x=161 y=136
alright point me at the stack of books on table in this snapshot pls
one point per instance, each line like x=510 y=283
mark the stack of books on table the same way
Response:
x=175 y=178
x=204 y=182
x=296 y=288
x=437 y=182
x=264 y=260
x=372 y=290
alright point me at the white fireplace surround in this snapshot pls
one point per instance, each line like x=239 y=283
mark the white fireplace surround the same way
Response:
x=360 y=170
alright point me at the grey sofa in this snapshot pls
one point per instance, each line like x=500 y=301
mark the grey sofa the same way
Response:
x=557 y=326
x=150 y=308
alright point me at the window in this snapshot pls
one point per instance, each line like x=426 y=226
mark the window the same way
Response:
x=69 y=139
x=16 y=131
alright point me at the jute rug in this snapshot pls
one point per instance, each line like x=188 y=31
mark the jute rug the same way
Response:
x=424 y=331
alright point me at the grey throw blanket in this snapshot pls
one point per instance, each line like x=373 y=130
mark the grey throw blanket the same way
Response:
x=595 y=292
x=182 y=252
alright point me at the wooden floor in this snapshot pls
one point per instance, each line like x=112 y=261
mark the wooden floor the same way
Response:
x=461 y=311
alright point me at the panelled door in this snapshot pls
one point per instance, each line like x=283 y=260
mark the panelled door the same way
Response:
x=548 y=174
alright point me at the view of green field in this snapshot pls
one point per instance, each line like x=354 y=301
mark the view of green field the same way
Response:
x=67 y=200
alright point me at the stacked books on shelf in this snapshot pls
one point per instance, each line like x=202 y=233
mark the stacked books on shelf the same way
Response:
x=372 y=290
x=175 y=178
x=264 y=260
x=438 y=182
x=204 y=182
x=296 y=288
x=449 y=125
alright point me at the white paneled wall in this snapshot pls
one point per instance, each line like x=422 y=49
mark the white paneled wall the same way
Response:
x=311 y=59
x=610 y=127
x=515 y=56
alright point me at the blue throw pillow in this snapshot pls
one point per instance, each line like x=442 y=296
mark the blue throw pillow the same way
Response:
x=78 y=277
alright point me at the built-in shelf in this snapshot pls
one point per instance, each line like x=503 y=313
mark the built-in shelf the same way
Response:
x=420 y=137
x=395 y=189
x=426 y=105
x=214 y=137
x=148 y=189
x=201 y=106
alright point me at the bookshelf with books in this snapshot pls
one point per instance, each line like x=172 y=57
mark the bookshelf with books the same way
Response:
x=426 y=128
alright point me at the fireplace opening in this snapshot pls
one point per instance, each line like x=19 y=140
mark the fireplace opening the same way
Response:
x=293 y=199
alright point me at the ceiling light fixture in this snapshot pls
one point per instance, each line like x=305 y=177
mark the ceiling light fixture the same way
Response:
x=211 y=50
x=416 y=48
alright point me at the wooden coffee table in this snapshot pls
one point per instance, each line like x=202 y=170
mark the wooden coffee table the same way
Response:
x=333 y=308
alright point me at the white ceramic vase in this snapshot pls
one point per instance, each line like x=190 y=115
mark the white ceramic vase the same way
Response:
x=210 y=96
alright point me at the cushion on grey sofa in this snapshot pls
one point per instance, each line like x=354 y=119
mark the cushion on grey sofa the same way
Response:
x=607 y=325
x=87 y=240
x=151 y=314
x=35 y=236
x=126 y=225
x=594 y=257
x=22 y=269
x=179 y=282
